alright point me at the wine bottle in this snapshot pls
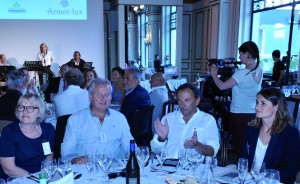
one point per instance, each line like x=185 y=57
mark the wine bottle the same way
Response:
x=132 y=167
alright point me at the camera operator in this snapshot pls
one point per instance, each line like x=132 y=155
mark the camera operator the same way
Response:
x=245 y=84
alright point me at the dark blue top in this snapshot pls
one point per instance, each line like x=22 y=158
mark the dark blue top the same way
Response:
x=283 y=152
x=137 y=99
x=28 y=152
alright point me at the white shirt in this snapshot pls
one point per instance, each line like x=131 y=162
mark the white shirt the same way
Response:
x=72 y=100
x=47 y=59
x=260 y=151
x=179 y=131
x=85 y=134
x=244 y=93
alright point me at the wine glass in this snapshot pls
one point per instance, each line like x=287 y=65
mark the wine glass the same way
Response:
x=242 y=169
x=182 y=160
x=104 y=161
x=89 y=164
x=63 y=166
x=142 y=153
x=50 y=167
x=258 y=171
x=161 y=157
x=272 y=177
x=194 y=157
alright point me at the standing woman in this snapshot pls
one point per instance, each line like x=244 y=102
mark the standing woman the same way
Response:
x=118 y=91
x=245 y=84
x=47 y=58
x=27 y=142
x=89 y=75
x=270 y=137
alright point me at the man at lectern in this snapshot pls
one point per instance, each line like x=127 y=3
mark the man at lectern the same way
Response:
x=47 y=58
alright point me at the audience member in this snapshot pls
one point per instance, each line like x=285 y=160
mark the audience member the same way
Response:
x=77 y=62
x=245 y=83
x=47 y=58
x=56 y=84
x=21 y=143
x=29 y=84
x=189 y=127
x=89 y=75
x=3 y=60
x=97 y=127
x=117 y=82
x=278 y=68
x=158 y=95
x=271 y=138
x=73 y=99
x=9 y=100
x=136 y=96
x=157 y=64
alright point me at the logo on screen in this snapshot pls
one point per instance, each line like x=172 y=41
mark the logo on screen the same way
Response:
x=64 y=3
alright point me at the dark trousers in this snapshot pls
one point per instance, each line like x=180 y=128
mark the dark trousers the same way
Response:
x=238 y=125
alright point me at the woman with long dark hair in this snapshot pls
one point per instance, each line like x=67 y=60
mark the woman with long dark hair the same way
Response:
x=245 y=84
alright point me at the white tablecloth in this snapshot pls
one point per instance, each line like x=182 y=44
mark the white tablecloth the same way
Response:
x=152 y=177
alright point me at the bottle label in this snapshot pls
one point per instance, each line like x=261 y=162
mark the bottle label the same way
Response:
x=132 y=181
x=132 y=147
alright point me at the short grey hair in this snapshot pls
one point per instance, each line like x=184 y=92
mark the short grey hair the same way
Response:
x=136 y=73
x=99 y=81
x=74 y=77
x=15 y=79
x=35 y=100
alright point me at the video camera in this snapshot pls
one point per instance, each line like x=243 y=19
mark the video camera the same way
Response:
x=226 y=69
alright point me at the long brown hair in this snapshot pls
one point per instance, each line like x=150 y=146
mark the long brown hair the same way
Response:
x=282 y=117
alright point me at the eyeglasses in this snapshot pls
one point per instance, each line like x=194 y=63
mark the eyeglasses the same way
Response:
x=21 y=108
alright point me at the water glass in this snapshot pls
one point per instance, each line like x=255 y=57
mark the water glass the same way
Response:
x=142 y=153
x=258 y=171
x=272 y=177
x=242 y=169
x=50 y=167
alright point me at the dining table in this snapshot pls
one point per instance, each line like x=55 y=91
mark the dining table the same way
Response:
x=173 y=84
x=152 y=172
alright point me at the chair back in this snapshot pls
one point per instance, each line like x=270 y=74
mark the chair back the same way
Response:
x=171 y=94
x=4 y=123
x=169 y=106
x=140 y=123
x=60 y=133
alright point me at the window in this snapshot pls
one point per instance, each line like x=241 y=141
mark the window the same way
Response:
x=173 y=35
x=271 y=30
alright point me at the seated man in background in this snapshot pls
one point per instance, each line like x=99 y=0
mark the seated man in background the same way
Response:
x=158 y=95
x=278 y=68
x=189 y=127
x=73 y=99
x=9 y=100
x=3 y=60
x=77 y=62
x=96 y=128
x=136 y=96
x=56 y=84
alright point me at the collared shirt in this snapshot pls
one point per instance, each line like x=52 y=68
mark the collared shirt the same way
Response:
x=85 y=134
x=129 y=91
x=71 y=100
x=179 y=131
